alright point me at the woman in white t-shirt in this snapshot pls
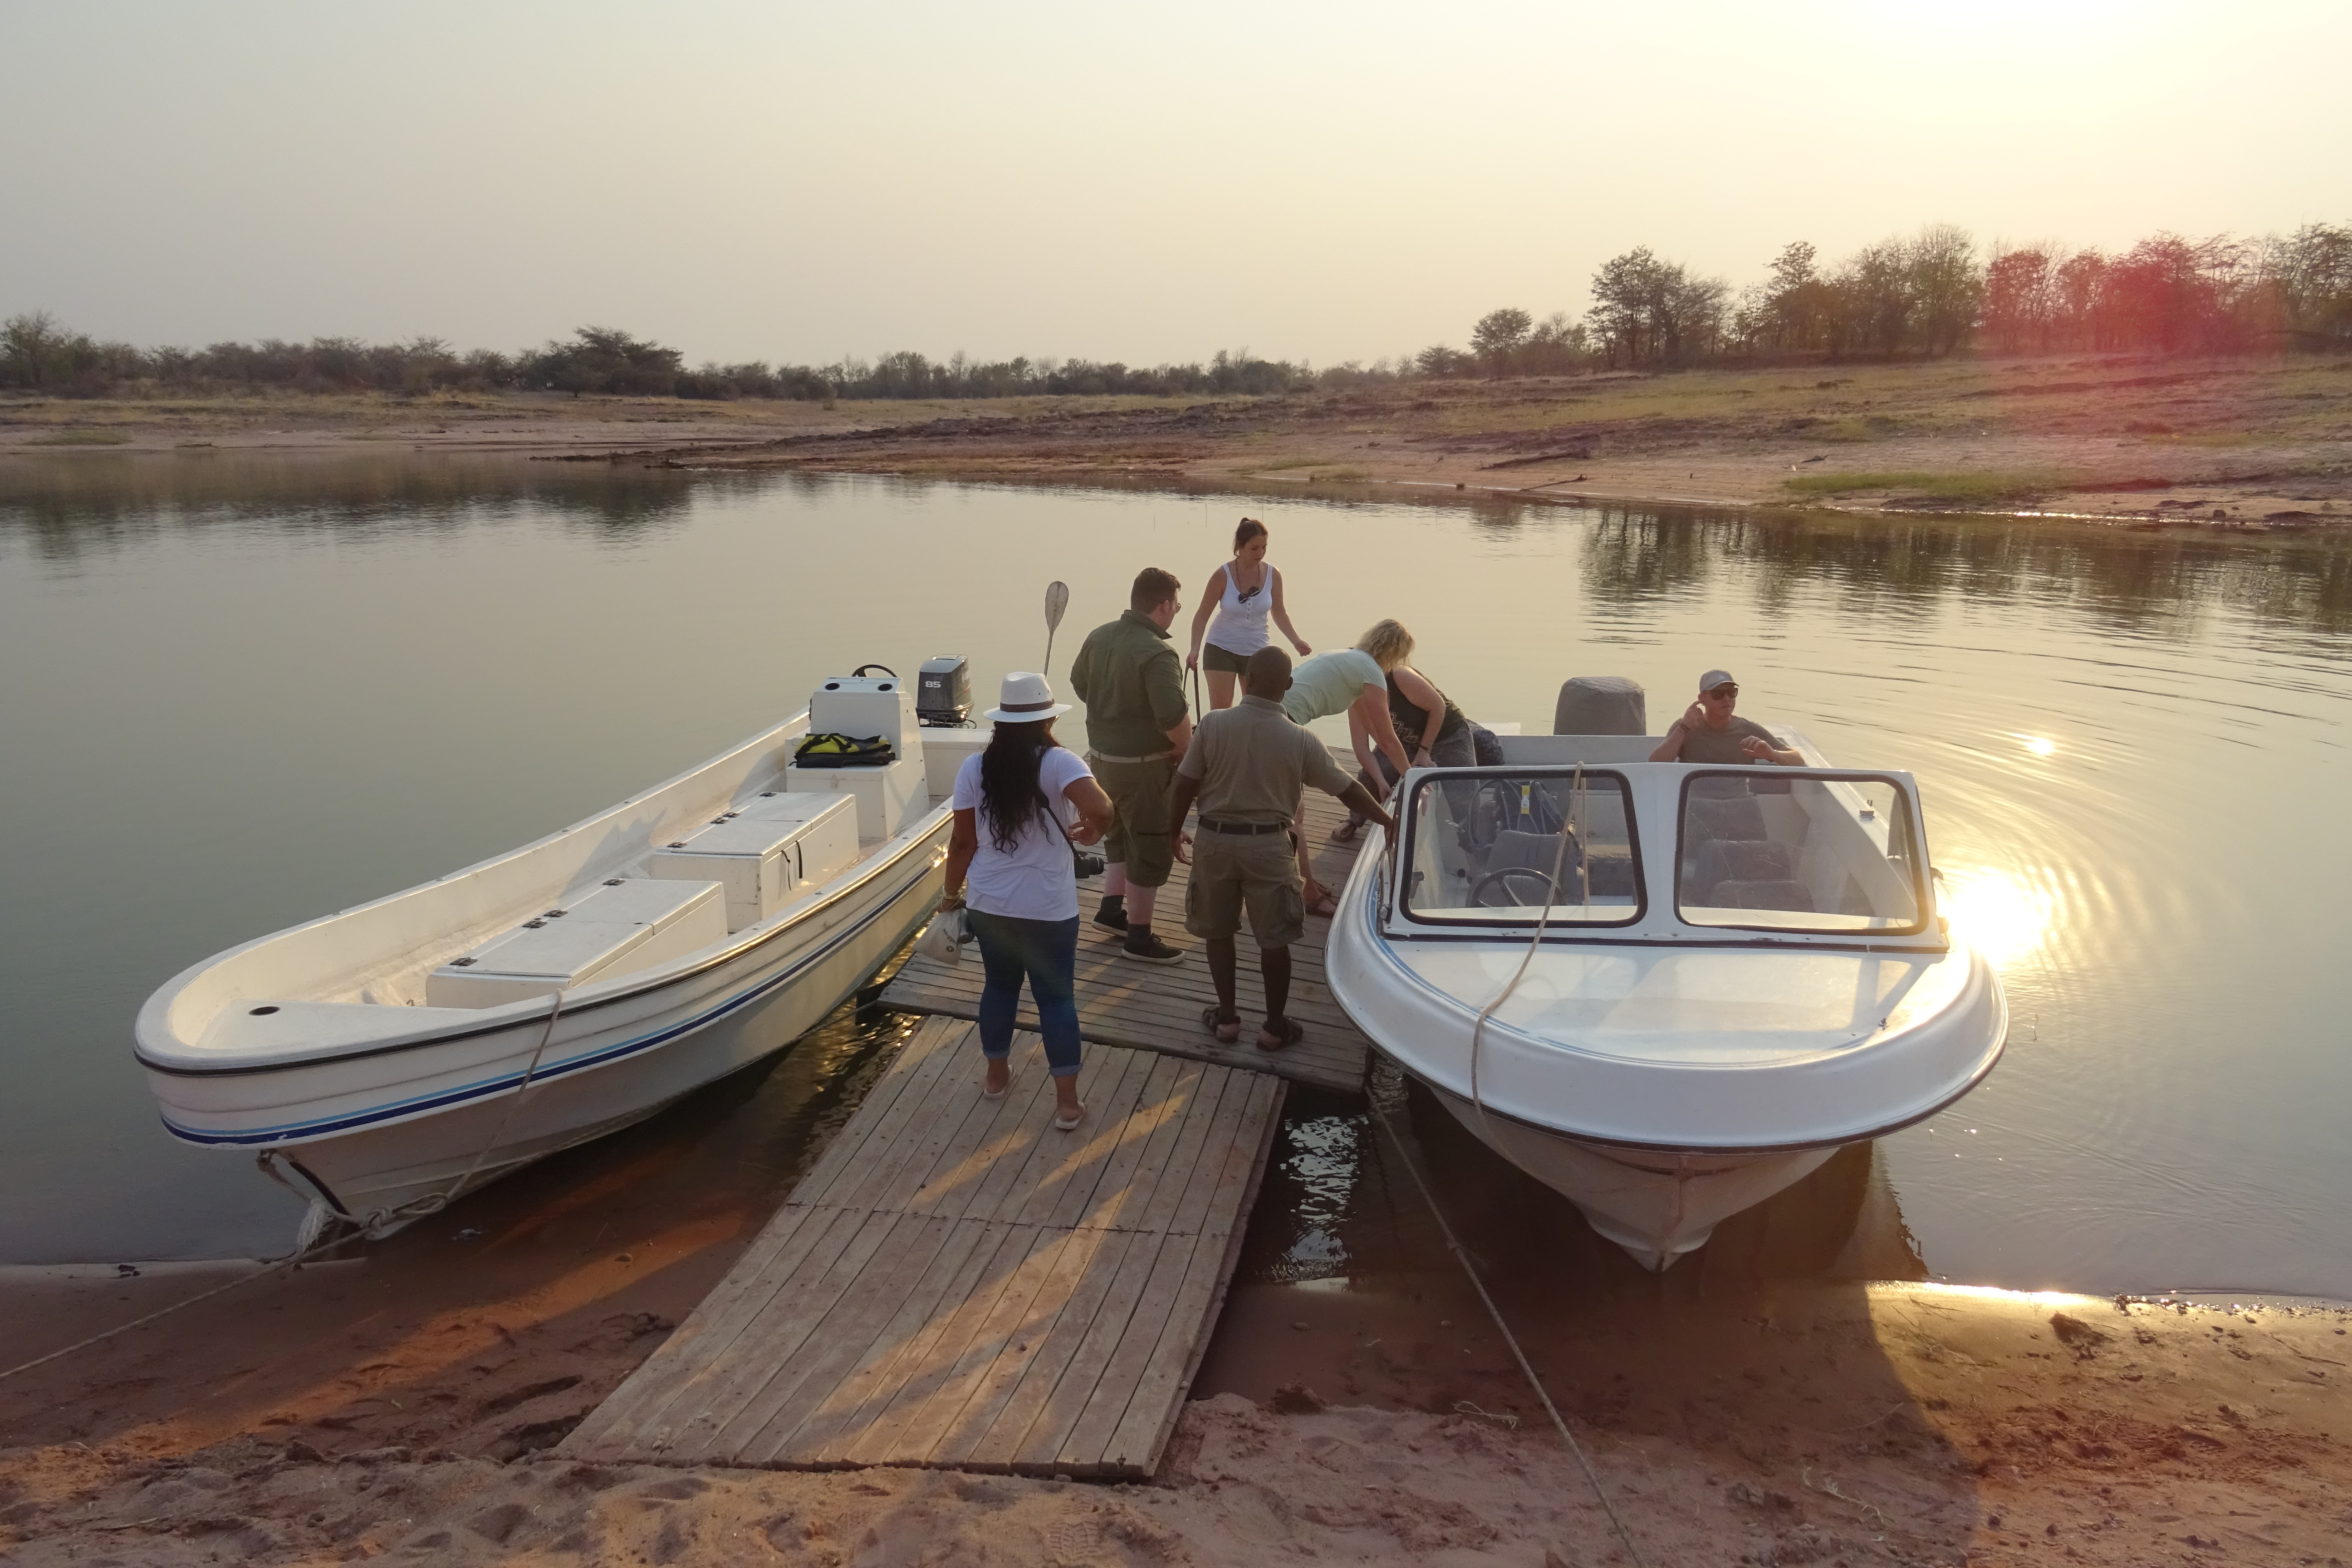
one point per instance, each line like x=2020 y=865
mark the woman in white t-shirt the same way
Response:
x=1009 y=869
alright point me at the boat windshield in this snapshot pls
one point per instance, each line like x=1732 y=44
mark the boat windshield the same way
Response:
x=1484 y=848
x=1812 y=853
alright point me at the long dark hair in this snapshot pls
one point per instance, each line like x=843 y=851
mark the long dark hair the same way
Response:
x=1010 y=795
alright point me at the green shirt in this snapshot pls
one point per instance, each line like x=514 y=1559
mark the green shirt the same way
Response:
x=1133 y=686
x=1325 y=687
x=1252 y=761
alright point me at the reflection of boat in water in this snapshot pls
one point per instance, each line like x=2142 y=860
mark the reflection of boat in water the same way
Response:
x=1743 y=971
x=397 y=1054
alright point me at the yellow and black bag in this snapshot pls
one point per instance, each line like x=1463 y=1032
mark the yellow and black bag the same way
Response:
x=829 y=751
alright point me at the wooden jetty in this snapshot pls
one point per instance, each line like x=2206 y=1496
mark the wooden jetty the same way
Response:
x=955 y=1284
x=1157 y=1008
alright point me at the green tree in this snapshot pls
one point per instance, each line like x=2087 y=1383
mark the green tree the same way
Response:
x=1499 y=335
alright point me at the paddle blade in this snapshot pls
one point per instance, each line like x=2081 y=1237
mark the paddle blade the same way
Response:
x=1057 y=599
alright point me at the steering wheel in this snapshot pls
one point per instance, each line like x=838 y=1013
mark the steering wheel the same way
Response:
x=1543 y=894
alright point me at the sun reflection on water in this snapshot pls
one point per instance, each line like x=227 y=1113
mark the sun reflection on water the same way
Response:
x=2000 y=913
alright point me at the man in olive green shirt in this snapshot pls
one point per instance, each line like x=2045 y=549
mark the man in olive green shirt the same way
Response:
x=1248 y=766
x=1128 y=675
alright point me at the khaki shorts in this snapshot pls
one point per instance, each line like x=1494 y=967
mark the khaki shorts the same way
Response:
x=1138 y=837
x=1234 y=870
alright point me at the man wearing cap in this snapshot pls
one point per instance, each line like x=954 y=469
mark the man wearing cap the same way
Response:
x=1247 y=767
x=1711 y=735
x=1132 y=684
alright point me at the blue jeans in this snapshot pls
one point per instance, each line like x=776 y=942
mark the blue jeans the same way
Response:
x=1044 y=952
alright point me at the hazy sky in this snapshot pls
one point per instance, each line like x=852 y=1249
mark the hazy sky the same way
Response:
x=799 y=182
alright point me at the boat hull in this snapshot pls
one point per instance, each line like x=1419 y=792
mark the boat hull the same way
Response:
x=462 y=1113
x=1656 y=1204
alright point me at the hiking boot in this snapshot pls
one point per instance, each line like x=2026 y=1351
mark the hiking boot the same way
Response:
x=1141 y=943
x=1112 y=916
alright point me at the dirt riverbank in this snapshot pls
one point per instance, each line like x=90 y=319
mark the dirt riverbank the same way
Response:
x=406 y=1404
x=2233 y=443
x=353 y=1411
x=2237 y=443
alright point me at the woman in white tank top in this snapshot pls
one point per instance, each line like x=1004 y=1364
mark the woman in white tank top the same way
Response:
x=1242 y=595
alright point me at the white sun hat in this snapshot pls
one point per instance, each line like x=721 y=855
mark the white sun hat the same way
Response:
x=1024 y=698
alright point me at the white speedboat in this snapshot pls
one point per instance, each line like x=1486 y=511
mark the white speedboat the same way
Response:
x=385 y=1059
x=1666 y=991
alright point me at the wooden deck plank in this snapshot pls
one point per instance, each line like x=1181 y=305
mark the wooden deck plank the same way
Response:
x=1047 y=1441
x=1023 y=1341
x=847 y=1419
x=1328 y=1058
x=732 y=1401
x=903 y=1431
x=845 y=1338
x=921 y=1059
x=1080 y=1202
x=682 y=1381
x=1090 y=1436
x=976 y=1289
x=1055 y=1359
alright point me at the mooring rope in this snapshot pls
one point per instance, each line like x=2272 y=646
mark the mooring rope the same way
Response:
x=1461 y=1255
x=416 y=1208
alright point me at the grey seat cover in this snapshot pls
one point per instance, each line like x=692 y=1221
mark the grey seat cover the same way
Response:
x=1600 y=705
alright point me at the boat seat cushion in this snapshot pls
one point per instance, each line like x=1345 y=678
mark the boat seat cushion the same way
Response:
x=1534 y=851
x=1761 y=895
x=1729 y=817
x=1740 y=860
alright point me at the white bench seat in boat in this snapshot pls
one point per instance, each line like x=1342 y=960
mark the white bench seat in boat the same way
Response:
x=886 y=797
x=629 y=923
x=767 y=853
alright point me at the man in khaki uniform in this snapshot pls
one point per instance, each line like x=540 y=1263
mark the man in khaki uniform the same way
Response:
x=1133 y=686
x=1246 y=767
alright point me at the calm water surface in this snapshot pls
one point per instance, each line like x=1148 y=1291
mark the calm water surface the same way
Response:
x=236 y=693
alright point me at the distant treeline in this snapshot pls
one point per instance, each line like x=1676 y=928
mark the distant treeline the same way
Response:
x=37 y=354
x=1917 y=296
x=1931 y=293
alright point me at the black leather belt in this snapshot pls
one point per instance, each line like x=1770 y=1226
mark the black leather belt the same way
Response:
x=1245 y=827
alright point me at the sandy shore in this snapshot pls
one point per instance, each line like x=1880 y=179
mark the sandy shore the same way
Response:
x=2230 y=442
x=404 y=1403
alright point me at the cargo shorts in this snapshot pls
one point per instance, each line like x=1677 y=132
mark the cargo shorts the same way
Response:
x=1231 y=871
x=1139 y=837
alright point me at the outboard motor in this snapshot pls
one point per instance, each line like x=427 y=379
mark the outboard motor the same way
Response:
x=1600 y=705
x=943 y=692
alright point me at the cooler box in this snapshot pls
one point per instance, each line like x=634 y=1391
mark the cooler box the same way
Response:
x=625 y=925
x=763 y=863
x=866 y=707
x=886 y=797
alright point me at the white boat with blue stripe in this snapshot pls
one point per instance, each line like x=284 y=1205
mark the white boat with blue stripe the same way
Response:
x=386 y=1060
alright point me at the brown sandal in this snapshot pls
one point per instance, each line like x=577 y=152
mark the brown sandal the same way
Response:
x=1217 y=1026
x=1290 y=1034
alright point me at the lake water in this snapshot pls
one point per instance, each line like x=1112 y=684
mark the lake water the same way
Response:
x=236 y=692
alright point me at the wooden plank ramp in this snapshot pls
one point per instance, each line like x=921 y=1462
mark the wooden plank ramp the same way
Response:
x=955 y=1284
x=1157 y=1008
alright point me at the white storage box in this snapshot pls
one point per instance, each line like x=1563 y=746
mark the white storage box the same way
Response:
x=828 y=823
x=943 y=753
x=867 y=707
x=765 y=863
x=622 y=926
x=886 y=797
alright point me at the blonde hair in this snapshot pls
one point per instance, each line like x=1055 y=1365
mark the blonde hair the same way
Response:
x=1388 y=642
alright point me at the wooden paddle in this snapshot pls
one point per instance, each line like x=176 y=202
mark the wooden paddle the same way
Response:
x=1057 y=599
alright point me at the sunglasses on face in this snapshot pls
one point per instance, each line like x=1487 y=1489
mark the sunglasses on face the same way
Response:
x=1727 y=692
